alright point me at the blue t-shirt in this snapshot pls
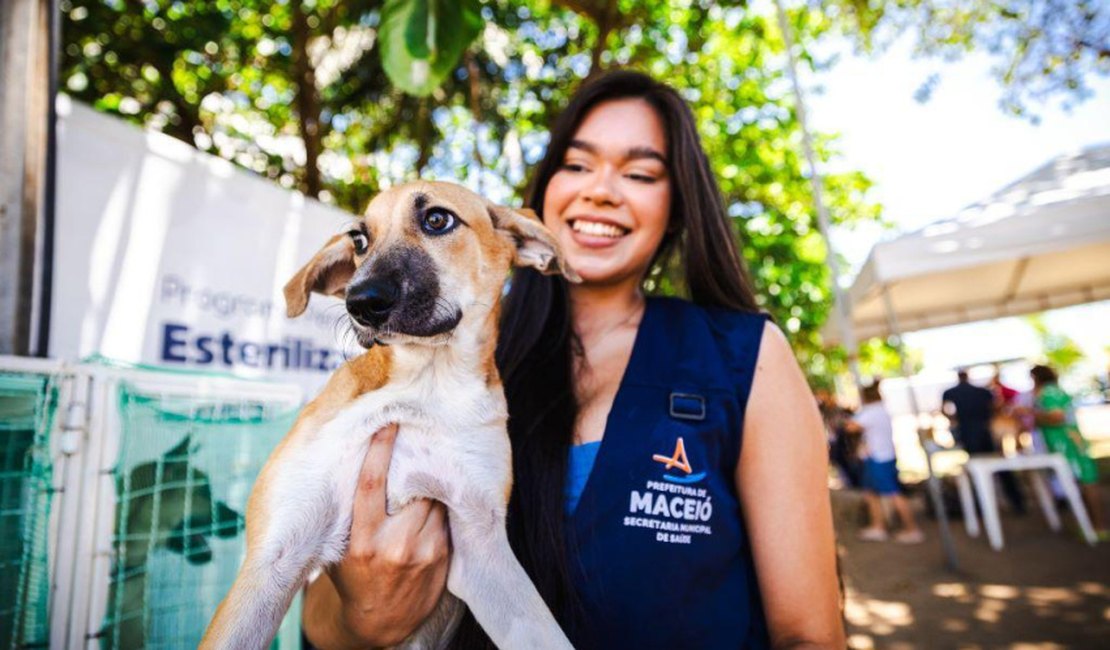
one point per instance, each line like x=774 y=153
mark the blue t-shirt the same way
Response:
x=579 y=463
x=658 y=548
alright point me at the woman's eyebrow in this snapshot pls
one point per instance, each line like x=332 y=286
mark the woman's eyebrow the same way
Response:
x=631 y=154
x=644 y=152
x=583 y=145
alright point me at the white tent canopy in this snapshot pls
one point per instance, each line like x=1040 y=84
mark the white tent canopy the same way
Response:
x=1042 y=242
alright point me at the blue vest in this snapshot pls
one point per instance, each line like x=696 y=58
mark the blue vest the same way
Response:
x=658 y=547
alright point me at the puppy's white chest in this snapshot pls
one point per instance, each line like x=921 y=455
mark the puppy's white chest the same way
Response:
x=440 y=460
x=451 y=442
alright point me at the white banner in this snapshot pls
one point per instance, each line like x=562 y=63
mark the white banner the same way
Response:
x=165 y=255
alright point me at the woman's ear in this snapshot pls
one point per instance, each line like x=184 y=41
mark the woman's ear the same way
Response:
x=533 y=244
x=327 y=272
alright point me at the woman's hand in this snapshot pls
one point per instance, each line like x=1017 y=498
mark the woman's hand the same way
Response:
x=394 y=572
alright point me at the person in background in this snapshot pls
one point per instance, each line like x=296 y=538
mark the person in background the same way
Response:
x=1055 y=416
x=1006 y=424
x=842 y=443
x=969 y=410
x=1023 y=412
x=880 y=470
x=1004 y=396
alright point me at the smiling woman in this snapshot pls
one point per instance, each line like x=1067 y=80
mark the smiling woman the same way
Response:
x=669 y=462
x=736 y=539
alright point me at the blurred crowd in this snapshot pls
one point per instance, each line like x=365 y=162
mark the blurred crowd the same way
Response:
x=982 y=420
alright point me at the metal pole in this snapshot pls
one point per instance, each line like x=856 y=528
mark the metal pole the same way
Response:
x=25 y=98
x=933 y=483
x=841 y=307
x=45 y=292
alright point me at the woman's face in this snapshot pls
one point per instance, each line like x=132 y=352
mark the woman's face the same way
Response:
x=609 y=203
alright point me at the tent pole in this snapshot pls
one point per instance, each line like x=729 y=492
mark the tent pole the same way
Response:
x=927 y=445
x=841 y=308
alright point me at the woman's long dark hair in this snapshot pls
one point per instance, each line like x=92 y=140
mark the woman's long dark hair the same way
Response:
x=535 y=352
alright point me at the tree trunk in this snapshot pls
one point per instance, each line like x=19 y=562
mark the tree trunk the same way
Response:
x=606 y=15
x=605 y=23
x=423 y=135
x=188 y=121
x=475 y=112
x=308 y=102
x=188 y=115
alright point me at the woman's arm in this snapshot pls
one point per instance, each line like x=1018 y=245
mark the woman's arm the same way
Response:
x=782 y=479
x=1050 y=417
x=394 y=572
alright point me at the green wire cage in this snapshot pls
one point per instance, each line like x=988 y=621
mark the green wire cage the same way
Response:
x=123 y=492
x=182 y=479
x=27 y=406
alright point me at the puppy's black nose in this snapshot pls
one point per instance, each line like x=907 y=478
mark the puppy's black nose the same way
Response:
x=371 y=302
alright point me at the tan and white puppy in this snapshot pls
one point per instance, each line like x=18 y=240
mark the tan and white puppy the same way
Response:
x=422 y=275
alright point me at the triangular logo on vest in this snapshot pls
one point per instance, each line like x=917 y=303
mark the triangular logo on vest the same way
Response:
x=678 y=460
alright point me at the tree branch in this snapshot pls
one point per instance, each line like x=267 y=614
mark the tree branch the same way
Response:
x=308 y=103
x=1100 y=51
x=188 y=114
x=595 y=10
x=423 y=135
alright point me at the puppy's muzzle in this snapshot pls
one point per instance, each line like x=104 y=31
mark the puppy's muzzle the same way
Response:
x=371 y=302
x=397 y=293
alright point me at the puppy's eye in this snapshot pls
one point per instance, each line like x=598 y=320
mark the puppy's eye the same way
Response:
x=362 y=242
x=438 y=221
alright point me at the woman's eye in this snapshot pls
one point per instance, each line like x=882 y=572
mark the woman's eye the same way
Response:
x=573 y=167
x=642 y=178
x=438 y=221
x=361 y=241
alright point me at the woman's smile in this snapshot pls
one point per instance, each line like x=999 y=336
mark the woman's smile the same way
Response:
x=596 y=232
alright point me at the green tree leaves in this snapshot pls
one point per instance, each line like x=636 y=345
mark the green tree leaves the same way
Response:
x=422 y=40
x=1041 y=49
x=297 y=91
x=1058 y=350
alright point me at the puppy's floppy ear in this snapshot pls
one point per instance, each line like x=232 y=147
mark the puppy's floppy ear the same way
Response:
x=533 y=244
x=327 y=272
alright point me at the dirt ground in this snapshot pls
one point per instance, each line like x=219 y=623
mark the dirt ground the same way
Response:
x=1043 y=590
